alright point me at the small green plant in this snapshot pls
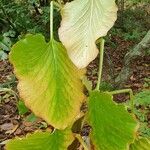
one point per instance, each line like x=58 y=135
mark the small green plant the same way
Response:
x=5 y=44
x=50 y=83
x=22 y=109
x=142 y=112
x=26 y=16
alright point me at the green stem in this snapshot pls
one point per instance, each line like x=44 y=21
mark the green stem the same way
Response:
x=125 y=91
x=82 y=142
x=51 y=20
x=102 y=42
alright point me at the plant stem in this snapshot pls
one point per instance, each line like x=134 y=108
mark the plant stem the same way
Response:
x=51 y=20
x=102 y=42
x=125 y=91
x=82 y=142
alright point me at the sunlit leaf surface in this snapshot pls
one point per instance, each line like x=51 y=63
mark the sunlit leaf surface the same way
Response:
x=49 y=83
x=59 y=140
x=83 y=22
x=140 y=144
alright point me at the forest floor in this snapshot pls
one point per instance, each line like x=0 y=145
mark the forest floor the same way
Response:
x=13 y=124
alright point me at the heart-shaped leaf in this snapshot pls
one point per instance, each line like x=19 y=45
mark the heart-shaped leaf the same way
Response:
x=59 y=140
x=113 y=128
x=83 y=22
x=49 y=83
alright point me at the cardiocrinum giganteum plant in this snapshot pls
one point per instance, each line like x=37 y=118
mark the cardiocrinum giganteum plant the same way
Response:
x=50 y=74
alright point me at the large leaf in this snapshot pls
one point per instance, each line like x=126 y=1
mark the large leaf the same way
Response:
x=140 y=144
x=83 y=22
x=59 y=140
x=113 y=128
x=49 y=83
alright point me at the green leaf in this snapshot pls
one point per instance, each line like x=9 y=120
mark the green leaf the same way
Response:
x=49 y=83
x=22 y=108
x=31 y=118
x=59 y=140
x=140 y=144
x=142 y=98
x=113 y=128
x=3 y=55
x=83 y=22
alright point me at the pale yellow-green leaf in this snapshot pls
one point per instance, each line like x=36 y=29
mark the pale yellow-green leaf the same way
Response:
x=140 y=144
x=59 y=140
x=83 y=22
x=49 y=83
